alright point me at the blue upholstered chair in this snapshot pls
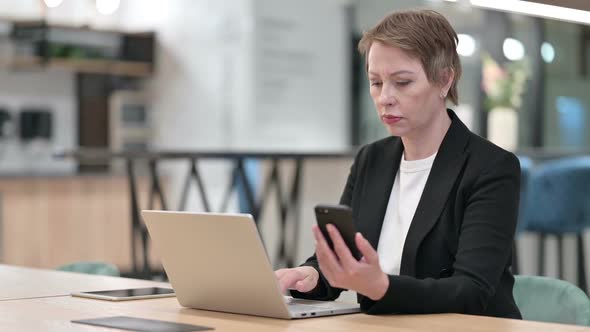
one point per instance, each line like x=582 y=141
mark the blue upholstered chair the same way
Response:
x=557 y=202
x=551 y=300
x=526 y=165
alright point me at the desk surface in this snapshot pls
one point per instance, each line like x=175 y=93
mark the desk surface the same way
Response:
x=54 y=312
x=21 y=282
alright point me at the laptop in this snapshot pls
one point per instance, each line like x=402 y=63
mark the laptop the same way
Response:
x=218 y=262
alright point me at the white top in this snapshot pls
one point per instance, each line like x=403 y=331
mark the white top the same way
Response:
x=406 y=192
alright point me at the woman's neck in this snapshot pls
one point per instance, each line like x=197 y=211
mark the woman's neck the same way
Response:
x=425 y=143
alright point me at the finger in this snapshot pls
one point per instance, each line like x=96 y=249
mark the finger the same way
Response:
x=280 y=272
x=307 y=284
x=323 y=265
x=289 y=280
x=322 y=244
x=340 y=248
x=326 y=258
x=322 y=249
x=369 y=254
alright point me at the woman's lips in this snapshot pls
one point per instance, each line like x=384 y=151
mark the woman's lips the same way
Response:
x=390 y=119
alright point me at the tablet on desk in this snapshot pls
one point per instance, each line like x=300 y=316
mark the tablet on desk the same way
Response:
x=128 y=294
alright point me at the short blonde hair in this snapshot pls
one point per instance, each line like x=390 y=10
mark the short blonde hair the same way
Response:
x=424 y=34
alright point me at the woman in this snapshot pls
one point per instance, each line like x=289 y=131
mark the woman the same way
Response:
x=438 y=202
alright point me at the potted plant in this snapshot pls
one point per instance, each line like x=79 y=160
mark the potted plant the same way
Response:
x=503 y=87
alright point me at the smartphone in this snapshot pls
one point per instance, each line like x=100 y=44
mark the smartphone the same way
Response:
x=127 y=294
x=341 y=217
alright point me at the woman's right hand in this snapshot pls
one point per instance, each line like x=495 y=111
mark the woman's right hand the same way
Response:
x=302 y=278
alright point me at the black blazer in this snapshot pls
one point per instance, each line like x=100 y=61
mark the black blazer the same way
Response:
x=458 y=251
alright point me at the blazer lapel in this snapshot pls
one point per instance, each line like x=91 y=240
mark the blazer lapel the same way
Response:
x=446 y=167
x=379 y=186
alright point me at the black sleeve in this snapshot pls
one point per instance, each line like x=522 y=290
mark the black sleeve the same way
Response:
x=324 y=291
x=484 y=248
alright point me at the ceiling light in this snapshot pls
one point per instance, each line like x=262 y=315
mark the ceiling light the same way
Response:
x=513 y=49
x=52 y=3
x=466 y=45
x=547 y=52
x=107 y=7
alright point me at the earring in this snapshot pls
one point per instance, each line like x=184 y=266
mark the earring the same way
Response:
x=443 y=95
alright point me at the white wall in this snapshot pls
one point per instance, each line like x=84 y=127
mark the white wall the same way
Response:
x=215 y=59
x=300 y=78
x=201 y=81
x=22 y=9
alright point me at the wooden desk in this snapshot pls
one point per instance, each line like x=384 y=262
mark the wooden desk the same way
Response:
x=21 y=282
x=55 y=313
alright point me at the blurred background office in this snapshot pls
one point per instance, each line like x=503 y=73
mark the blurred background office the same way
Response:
x=111 y=106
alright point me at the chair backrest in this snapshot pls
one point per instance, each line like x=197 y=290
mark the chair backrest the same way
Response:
x=99 y=268
x=547 y=299
x=526 y=165
x=558 y=197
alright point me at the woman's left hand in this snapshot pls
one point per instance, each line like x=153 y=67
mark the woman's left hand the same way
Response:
x=342 y=270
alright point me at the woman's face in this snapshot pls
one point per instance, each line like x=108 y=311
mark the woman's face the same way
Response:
x=407 y=103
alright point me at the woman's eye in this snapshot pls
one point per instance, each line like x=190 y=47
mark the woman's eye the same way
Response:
x=403 y=83
x=375 y=83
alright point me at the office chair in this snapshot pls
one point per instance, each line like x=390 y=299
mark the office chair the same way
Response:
x=526 y=164
x=552 y=300
x=557 y=202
